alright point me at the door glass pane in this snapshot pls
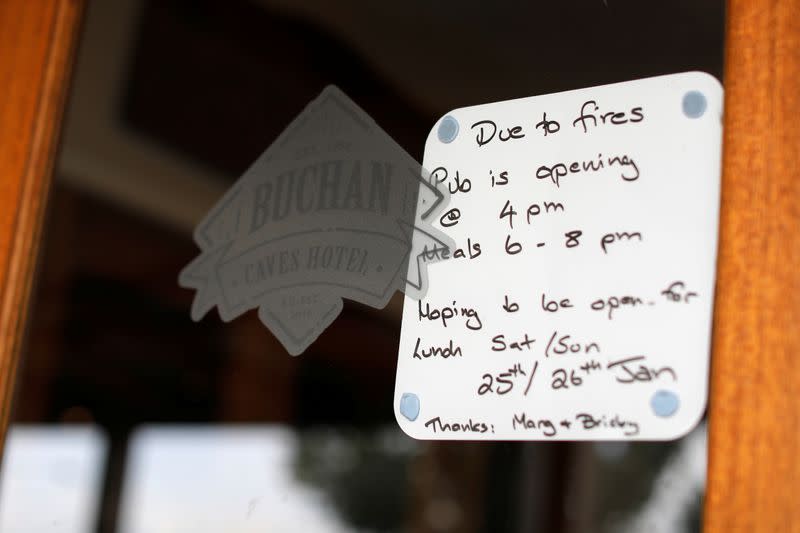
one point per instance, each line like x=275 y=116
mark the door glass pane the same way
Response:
x=212 y=426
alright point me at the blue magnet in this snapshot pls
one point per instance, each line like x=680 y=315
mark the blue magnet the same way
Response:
x=694 y=104
x=409 y=406
x=664 y=403
x=448 y=129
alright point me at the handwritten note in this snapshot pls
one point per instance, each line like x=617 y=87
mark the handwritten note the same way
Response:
x=577 y=302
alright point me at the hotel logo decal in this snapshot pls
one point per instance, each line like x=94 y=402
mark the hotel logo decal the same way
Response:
x=328 y=211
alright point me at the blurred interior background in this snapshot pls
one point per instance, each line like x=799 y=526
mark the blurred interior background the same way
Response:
x=130 y=417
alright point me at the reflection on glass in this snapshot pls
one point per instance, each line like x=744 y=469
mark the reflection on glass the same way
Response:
x=247 y=483
x=669 y=486
x=203 y=478
x=51 y=479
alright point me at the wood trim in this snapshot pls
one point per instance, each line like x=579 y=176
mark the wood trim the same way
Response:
x=37 y=40
x=754 y=417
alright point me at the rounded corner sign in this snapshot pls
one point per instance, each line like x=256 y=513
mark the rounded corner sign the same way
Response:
x=580 y=307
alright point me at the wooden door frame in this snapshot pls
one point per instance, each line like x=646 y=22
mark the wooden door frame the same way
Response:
x=37 y=44
x=754 y=409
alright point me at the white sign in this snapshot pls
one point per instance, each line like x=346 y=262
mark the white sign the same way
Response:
x=577 y=303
